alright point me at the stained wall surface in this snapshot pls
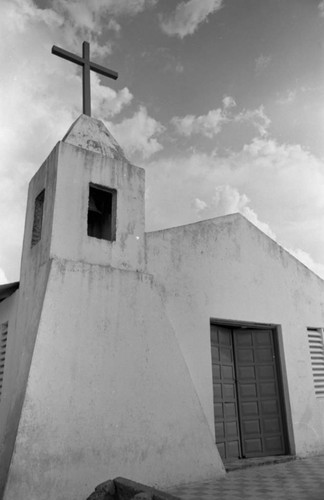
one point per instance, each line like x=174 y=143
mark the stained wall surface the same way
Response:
x=77 y=169
x=8 y=314
x=108 y=393
x=103 y=389
x=64 y=234
x=26 y=313
x=226 y=268
x=111 y=364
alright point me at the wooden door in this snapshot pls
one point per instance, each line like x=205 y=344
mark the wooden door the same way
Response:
x=248 y=417
x=225 y=396
x=258 y=393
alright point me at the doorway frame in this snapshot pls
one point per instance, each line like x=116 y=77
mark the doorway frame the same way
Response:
x=289 y=440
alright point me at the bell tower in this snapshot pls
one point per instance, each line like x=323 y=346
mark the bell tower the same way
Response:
x=86 y=203
x=100 y=387
x=105 y=198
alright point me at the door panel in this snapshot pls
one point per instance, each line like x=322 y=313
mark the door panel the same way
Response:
x=247 y=410
x=225 y=397
x=257 y=385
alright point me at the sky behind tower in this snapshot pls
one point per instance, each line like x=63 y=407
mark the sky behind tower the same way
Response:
x=221 y=101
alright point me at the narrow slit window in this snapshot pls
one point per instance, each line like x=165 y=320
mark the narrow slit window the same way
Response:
x=3 y=346
x=316 y=347
x=102 y=212
x=38 y=218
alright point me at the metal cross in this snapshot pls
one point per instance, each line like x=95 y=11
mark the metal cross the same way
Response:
x=87 y=65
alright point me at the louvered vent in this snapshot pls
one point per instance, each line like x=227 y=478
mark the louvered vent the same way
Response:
x=3 y=345
x=316 y=347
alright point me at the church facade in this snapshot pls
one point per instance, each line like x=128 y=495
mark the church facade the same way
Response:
x=155 y=356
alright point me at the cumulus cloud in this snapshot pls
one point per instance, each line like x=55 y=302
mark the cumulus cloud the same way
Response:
x=208 y=125
x=199 y=205
x=261 y=63
x=188 y=16
x=308 y=261
x=227 y=200
x=257 y=117
x=288 y=98
x=138 y=134
x=212 y=123
x=114 y=25
x=224 y=200
x=107 y=102
x=86 y=17
x=321 y=8
x=228 y=102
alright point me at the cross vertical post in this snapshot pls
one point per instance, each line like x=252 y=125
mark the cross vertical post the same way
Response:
x=86 y=92
x=87 y=65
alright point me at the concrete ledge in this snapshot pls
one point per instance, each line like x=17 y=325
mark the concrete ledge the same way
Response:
x=256 y=462
x=121 y=488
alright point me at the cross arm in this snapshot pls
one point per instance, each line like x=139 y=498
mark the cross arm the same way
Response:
x=67 y=55
x=80 y=60
x=103 y=71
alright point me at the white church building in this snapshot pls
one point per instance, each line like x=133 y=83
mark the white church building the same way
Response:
x=156 y=356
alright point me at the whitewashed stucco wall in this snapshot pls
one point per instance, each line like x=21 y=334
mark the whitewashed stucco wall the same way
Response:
x=8 y=313
x=33 y=281
x=69 y=240
x=117 y=334
x=225 y=268
x=108 y=391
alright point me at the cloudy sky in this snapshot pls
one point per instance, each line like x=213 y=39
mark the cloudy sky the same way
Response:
x=221 y=101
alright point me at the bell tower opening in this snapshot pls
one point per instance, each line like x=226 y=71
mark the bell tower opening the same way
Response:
x=102 y=212
x=38 y=218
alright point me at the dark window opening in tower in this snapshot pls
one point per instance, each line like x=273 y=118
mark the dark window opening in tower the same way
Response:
x=102 y=212
x=38 y=218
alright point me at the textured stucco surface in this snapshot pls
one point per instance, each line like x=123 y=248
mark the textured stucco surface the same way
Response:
x=110 y=351
x=102 y=388
x=225 y=268
x=77 y=169
x=28 y=306
x=108 y=392
x=8 y=313
x=91 y=134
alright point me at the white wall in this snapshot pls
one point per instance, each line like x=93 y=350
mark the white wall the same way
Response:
x=26 y=312
x=28 y=306
x=118 y=344
x=8 y=312
x=77 y=168
x=109 y=393
x=226 y=268
x=65 y=176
